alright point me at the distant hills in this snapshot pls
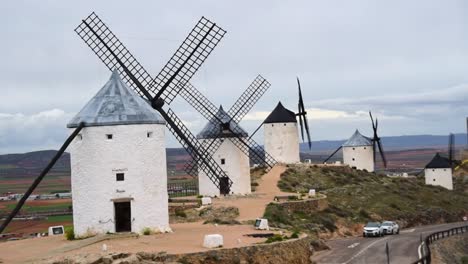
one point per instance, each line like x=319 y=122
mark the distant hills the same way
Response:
x=393 y=143
x=30 y=164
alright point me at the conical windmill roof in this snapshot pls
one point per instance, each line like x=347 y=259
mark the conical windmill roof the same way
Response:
x=438 y=162
x=357 y=140
x=207 y=131
x=116 y=104
x=281 y=115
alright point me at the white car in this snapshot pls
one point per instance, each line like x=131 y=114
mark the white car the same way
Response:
x=390 y=227
x=373 y=229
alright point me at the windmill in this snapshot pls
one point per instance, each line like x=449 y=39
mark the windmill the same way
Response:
x=162 y=89
x=439 y=170
x=223 y=127
x=158 y=91
x=280 y=131
x=360 y=151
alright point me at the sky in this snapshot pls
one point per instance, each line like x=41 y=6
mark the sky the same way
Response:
x=404 y=60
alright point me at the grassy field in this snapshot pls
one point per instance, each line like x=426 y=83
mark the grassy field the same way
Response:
x=37 y=206
x=50 y=184
x=357 y=196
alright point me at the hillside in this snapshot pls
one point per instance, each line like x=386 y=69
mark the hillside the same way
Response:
x=393 y=142
x=356 y=196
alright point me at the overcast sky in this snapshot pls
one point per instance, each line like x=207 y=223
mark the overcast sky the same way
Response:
x=407 y=61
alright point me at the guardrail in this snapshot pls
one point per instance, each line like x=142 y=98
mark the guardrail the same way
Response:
x=431 y=238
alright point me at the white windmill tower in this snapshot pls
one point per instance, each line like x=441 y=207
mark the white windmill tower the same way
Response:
x=439 y=170
x=118 y=164
x=231 y=158
x=280 y=132
x=360 y=151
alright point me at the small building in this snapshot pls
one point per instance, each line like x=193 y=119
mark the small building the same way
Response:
x=230 y=158
x=281 y=135
x=439 y=172
x=118 y=164
x=358 y=152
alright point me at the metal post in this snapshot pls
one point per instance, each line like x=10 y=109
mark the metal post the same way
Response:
x=387 y=251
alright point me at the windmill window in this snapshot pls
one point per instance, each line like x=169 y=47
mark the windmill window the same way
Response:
x=149 y=134
x=444 y=169
x=433 y=170
x=433 y=179
x=354 y=148
x=109 y=136
x=79 y=137
x=223 y=161
x=284 y=124
x=365 y=148
x=272 y=125
x=353 y=159
x=120 y=176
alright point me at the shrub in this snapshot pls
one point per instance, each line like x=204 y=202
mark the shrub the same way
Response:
x=180 y=213
x=277 y=214
x=274 y=238
x=294 y=235
x=464 y=260
x=146 y=231
x=70 y=233
x=364 y=214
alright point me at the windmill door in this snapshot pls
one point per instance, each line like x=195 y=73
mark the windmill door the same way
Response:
x=224 y=185
x=123 y=217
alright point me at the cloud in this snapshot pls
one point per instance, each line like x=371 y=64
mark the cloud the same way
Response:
x=42 y=130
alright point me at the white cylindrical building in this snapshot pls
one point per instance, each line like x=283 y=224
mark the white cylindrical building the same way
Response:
x=439 y=172
x=229 y=157
x=358 y=152
x=118 y=164
x=281 y=135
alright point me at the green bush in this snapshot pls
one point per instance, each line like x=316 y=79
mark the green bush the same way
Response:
x=70 y=233
x=294 y=235
x=274 y=238
x=180 y=213
x=146 y=231
x=464 y=260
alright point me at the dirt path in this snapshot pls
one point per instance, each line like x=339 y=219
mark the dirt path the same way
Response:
x=252 y=207
x=187 y=237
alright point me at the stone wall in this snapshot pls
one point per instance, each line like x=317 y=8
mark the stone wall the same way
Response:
x=306 y=206
x=295 y=251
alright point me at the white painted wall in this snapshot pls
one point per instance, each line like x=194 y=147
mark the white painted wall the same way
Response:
x=94 y=162
x=359 y=157
x=282 y=142
x=440 y=177
x=236 y=166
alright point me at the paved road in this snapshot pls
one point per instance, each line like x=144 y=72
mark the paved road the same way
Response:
x=403 y=247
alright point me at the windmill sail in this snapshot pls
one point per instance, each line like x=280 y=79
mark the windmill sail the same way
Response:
x=187 y=59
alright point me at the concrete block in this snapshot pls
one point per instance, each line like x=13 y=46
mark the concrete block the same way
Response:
x=213 y=241
x=206 y=200
x=56 y=230
x=312 y=192
x=262 y=224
